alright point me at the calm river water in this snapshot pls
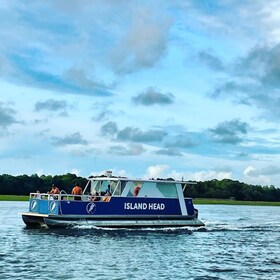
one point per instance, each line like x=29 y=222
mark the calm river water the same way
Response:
x=239 y=242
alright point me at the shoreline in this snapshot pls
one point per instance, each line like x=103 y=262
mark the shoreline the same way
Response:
x=234 y=202
x=10 y=197
x=195 y=201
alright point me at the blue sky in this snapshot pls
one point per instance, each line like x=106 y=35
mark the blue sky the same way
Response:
x=144 y=88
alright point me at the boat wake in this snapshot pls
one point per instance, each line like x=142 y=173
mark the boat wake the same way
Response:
x=241 y=226
x=210 y=226
x=185 y=229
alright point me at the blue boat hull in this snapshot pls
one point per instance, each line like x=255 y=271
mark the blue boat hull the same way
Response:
x=117 y=212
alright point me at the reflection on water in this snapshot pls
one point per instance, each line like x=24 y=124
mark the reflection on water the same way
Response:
x=239 y=242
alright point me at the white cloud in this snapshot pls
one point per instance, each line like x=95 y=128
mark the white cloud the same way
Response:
x=75 y=171
x=269 y=16
x=115 y=172
x=250 y=171
x=209 y=175
x=156 y=171
x=144 y=43
x=267 y=175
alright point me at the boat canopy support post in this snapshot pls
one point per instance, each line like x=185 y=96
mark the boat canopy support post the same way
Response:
x=181 y=199
x=86 y=187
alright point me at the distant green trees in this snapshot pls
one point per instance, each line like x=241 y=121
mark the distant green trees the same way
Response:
x=224 y=189
x=23 y=184
x=230 y=189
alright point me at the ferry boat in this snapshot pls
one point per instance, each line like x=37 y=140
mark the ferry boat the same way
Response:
x=111 y=201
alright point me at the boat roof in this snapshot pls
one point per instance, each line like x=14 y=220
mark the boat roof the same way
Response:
x=109 y=177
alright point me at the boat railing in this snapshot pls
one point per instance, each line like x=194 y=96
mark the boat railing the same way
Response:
x=68 y=197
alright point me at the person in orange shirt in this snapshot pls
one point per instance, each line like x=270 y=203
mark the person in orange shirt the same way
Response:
x=77 y=192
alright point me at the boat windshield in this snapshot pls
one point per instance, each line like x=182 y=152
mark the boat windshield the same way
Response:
x=101 y=187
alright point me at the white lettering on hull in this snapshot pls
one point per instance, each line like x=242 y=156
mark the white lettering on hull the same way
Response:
x=144 y=206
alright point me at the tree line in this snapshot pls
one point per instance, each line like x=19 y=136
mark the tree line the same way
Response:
x=24 y=184
x=230 y=189
x=224 y=189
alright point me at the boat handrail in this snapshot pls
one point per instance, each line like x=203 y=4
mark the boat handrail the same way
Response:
x=63 y=191
x=66 y=196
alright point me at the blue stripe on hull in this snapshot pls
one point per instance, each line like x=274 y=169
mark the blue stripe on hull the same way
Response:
x=125 y=206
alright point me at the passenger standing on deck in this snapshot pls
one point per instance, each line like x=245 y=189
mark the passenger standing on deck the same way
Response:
x=77 y=190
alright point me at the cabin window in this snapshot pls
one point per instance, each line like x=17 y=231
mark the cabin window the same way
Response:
x=95 y=187
x=115 y=188
x=149 y=189
x=152 y=189
x=167 y=190
x=135 y=189
x=105 y=185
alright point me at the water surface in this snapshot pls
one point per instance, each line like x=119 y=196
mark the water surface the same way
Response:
x=238 y=242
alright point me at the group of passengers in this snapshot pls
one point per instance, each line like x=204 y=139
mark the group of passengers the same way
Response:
x=55 y=191
x=102 y=196
x=77 y=193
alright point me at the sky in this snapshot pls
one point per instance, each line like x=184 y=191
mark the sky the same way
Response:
x=183 y=88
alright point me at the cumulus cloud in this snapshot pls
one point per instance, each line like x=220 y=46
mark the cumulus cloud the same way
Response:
x=136 y=135
x=78 y=78
x=6 y=116
x=82 y=152
x=25 y=73
x=234 y=90
x=103 y=115
x=144 y=43
x=231 y=132
x=206 y=175
x=51 y=105
x=156 y=171
x=255 y=81
x=211 y=61
x=151 y=96
x=73 y=139
x=132 y=134
x=66 y=52
x=168 y=152
x=130 y=150
x=180 y=141
x=109 y=128
x=251 y=171
x=261 y=176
